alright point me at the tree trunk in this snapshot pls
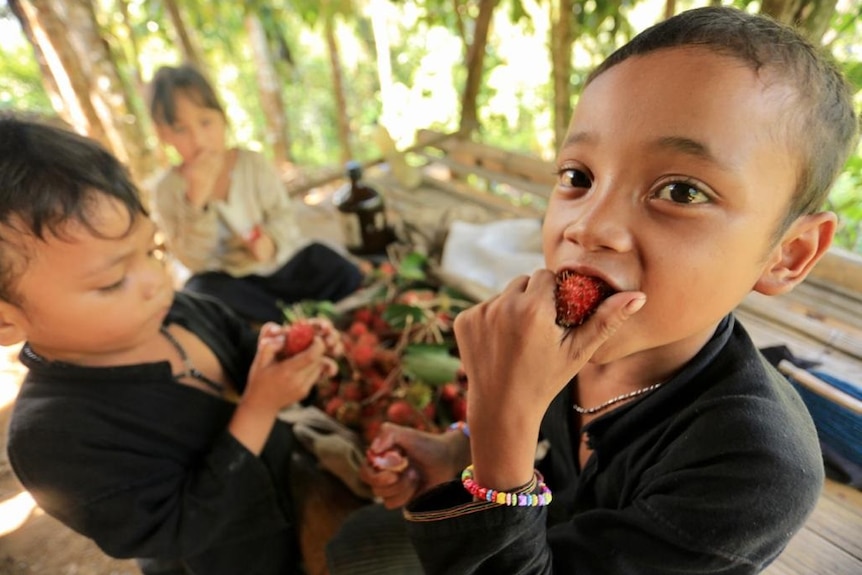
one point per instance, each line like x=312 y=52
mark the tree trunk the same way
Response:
x=811 y=17
x=669 y=8
x=79 y=67
x=475 y=66
x=378 y=10
x=562 y=38
x=269 y=88
x=342 y=120
x=189 y=51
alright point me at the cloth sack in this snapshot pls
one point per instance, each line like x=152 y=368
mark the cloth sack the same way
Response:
x=337 y=448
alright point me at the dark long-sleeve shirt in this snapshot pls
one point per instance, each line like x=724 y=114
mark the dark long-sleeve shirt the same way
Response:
x=145 y=466
x=710 y=474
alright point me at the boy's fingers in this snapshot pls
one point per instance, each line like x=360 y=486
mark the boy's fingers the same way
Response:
x=612 y=313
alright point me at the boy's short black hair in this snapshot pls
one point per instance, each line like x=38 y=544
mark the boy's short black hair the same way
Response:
x=823 y=126
x=186 y=79
x=49 y=176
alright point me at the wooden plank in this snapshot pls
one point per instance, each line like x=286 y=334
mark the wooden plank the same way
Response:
x=839 y=521
x=497 y=203
x=493 y=159
x=540 y=190
x=829 y=332
x=847 y=497
x=840 y=267
x=810 y=554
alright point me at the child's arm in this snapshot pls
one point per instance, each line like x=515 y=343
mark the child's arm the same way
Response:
x=201 y=175
x=190 y=232
x=279 y=229
x=517 y=360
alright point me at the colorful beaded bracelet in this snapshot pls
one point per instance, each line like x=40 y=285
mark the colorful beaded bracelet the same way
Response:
x=512 y=499
x=460 y=426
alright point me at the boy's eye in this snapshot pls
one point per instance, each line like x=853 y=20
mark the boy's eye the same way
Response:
x=572 y=178
x=113 y=286
x=682 y=193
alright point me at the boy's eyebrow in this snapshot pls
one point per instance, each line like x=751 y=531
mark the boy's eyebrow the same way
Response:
x=688 y=146
x=108 y=264
x=681 y=144
x=118 y=258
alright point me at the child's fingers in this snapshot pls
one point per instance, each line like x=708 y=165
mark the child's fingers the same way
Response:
x=613 y=312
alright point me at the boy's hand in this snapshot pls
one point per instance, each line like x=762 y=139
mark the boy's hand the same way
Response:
x=432 y=459
x=274 y=384
x=201 y=175
x=517 y=360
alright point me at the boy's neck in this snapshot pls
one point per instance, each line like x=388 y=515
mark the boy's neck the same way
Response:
x=640 y=370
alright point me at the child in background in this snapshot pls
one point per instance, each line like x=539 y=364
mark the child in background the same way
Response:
x=147 y=420
x=226 y=214
x=695 y=165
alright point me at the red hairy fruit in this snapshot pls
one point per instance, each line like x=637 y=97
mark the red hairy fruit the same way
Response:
x=297 y=338
x=577 y=297
x=392 y=459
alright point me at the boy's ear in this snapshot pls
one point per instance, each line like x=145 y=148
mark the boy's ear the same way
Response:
x=11 y=324
x=801 y=246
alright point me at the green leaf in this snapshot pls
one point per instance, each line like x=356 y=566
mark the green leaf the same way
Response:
x=396 y=314
x=412 y=267
x=429 y=363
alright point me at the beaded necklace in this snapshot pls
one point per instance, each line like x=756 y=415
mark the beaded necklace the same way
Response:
x=190 y=371
x=615 y=400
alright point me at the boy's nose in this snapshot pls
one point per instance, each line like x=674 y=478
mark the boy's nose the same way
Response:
x=602 y=221
x=154 y=280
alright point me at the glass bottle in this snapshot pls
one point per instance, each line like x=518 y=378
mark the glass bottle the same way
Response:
x=362 y=214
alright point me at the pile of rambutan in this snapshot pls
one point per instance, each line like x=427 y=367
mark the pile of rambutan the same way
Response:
x=400 y=361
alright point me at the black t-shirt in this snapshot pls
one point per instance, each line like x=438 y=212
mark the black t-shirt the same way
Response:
x=145 y=466
x=710 y=474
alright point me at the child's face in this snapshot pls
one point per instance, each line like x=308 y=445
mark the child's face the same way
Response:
x=86 y=299
x=672 y=182
x=197 y=128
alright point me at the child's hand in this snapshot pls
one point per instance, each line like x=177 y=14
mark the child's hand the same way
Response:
x=260 y=245
x=431 y=459
x=274 y=384
x=201 y=175
x=517 y=360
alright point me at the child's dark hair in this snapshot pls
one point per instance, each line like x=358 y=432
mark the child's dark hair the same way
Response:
x=823 y=126
x=49 y=176
x=185 y=78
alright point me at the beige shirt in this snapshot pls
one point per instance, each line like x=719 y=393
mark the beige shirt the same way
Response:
x=210 y=238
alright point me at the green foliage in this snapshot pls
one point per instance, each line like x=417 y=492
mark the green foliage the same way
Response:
x=846 y=200
x=20 y=79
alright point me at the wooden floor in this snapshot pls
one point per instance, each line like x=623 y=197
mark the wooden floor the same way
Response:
x=830 y=543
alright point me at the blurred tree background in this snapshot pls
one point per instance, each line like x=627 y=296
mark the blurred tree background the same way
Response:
x=306 y=81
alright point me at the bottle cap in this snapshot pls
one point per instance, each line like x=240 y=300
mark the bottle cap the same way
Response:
x=354 y=169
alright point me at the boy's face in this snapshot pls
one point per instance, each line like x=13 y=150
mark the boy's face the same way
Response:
x=672 y=181
x=197 y=128
x=89 y=300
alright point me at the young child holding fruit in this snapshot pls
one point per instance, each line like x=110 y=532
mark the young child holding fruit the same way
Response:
x=695 y=165
x=147 y=420
x=226 y=215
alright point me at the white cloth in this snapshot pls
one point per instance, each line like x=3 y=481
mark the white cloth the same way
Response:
x=494 y=253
